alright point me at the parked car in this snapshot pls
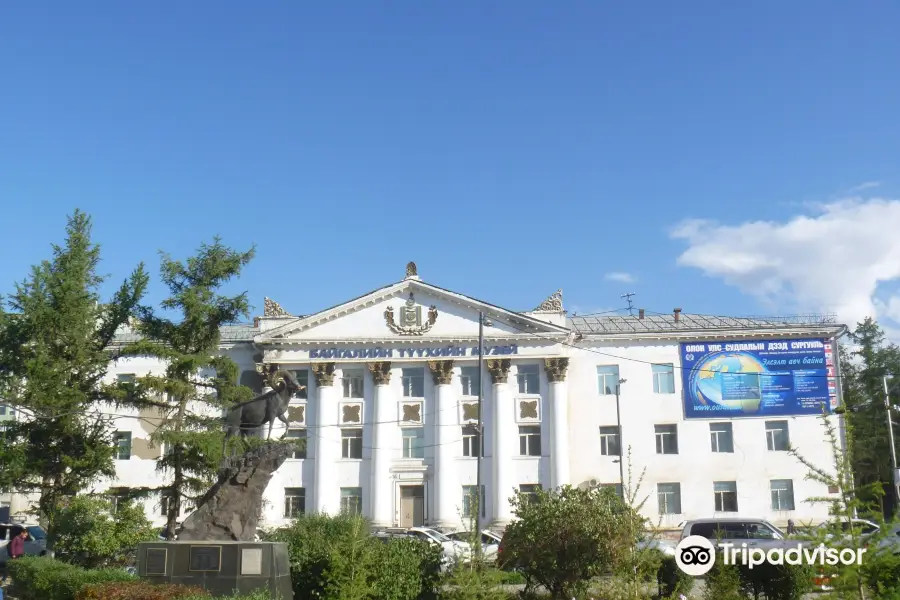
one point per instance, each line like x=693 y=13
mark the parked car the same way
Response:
x=667 y=548
x=454 y=550
x=490 y=542
x=754 y=532
x=35 y=543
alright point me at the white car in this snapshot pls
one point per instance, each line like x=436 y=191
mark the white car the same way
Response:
x=490 y=542
x=35 y=543
x=667 y=548
x=454 y=550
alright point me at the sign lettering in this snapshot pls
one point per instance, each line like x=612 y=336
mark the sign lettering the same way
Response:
x=378 y=352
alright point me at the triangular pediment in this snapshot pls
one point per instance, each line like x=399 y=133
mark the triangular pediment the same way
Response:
x=409 y=310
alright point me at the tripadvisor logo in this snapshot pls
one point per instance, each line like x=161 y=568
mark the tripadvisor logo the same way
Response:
x=696 y=555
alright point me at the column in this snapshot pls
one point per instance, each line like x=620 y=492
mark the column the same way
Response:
x=559 y=421
x=447 y=491
x=503 y=418
x=328 y=441
x=384 y=416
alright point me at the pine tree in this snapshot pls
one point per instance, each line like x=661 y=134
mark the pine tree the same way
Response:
x=199 y=381
x=864 y=367
x=54 y=338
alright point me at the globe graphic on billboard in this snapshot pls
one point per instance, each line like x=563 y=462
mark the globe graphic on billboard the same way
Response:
x=707 y=380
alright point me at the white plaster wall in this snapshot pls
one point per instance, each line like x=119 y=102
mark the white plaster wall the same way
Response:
x=695 y=467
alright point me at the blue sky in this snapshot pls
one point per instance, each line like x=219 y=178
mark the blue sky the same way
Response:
x=510 y=148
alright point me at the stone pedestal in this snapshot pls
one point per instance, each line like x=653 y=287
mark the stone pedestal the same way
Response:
x=220 y=567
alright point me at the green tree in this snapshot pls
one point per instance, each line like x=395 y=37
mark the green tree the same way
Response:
x=864 y=366
x=91 y=537
x=55 y=332
x=199 y=381
x=562 y=539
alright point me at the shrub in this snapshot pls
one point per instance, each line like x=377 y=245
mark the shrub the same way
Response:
x=672 y=580
x=723 y=582
x=40 y=578
x=139 y=590
x=335 y=557
x=564 y=538
x=776 y=582
x=87 y=535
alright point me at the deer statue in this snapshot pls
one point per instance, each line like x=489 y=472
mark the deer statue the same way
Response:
x=244 y=418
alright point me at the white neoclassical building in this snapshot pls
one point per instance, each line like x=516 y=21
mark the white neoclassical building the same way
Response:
x=708 y=407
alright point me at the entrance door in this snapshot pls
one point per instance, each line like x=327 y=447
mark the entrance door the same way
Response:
x=412 y=505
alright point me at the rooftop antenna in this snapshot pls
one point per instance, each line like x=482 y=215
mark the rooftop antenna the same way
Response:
x=630 y=303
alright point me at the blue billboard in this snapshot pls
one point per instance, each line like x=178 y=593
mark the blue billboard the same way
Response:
x=758 y=378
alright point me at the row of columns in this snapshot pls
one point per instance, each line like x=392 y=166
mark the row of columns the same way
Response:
x=446 y=486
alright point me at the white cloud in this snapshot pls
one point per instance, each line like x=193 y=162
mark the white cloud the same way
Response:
x=833 y=260
x=620 y=277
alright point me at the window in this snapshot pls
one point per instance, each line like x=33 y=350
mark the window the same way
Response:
x=125 y=378
x=468 y=379
x=299 y=438
x=607 y=379
x=165 y=503
x=663 y=379
x=413 y=442
x=615 y=487
x=528 y=378
x=7 y=412
x=471 y=441
x=116 y=497
x=469 y=500
x=609 y=441
x=352 y=381
x=726 y=496
x=302 y=376
x=777 y=436
x=294 y=502
x=351 y=443
x=414 y=382
x=782 y=494
x=351 y=500
x=666 y=439
x=123 y=445
x=529 y=490
x=668 y=496
x=530 y=440
x=720 y=437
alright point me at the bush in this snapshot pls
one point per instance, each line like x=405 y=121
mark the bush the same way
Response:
x=723 y=582
x=139 y=590
x=672 y=580
x=336 y=558
x=87 y=535
x=564 y=538
x=776 y=582
x=40 y=578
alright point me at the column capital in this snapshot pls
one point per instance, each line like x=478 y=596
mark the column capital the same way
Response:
x=381 y=372
x=324 y=373
x=499 y=369
x=442 y=371
x=556 y=369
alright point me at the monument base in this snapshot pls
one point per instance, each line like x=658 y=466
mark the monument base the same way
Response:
x=220 y=567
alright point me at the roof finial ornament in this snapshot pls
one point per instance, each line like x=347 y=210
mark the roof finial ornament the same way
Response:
x=551 y=304
x=273 y=309
x=411 y=270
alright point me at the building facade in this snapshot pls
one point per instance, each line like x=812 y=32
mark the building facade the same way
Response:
x=390 y=409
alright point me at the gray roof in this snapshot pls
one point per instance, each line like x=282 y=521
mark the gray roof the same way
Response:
x=690 y=322
x=242 y=332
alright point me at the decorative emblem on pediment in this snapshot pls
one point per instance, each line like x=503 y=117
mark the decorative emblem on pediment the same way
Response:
x=412 y=413
x=273 y=309
x=410 y=318
x=470 y=411
x=411 y=269
x=528 y=409
x=350 y=413
x=552 y=304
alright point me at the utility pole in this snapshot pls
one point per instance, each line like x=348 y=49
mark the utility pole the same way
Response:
x=890 y=424
x=480 y=449
x=621 y=441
